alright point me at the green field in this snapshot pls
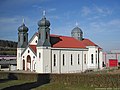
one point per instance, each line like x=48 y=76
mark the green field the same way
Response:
x=34 y=81
x=25 y=85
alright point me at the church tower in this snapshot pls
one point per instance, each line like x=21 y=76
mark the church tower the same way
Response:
x=44 y=32
x=77 y=33
x=22 y=43
x=43 y=62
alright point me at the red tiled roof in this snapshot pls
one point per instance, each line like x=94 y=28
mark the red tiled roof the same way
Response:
x=87 y=42
x=33 y=47
x=66 y=42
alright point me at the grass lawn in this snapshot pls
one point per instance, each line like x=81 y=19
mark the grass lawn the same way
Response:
x=57 y=86
x=9 y=83
x=49 y=86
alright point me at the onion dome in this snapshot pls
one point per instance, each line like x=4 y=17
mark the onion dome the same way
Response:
x=77 y=33
x=22 y=28
x=77 y=30
x=43 y=22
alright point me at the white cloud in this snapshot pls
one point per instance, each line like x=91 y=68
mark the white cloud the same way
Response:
x=51 y=9
x=85 y=11
x=115 y=22
x=8 y=20
x=96 y=11
x=103 y=11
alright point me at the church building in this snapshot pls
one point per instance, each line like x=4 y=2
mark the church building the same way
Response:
x=50 y=53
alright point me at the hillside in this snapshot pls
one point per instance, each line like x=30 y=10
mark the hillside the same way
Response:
x=8 y=47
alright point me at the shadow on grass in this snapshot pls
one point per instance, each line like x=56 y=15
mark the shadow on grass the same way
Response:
x=41 y=80
x=11 y=76
x=4 y=80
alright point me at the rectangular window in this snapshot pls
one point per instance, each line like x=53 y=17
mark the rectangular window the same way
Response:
x=78 y=59
x=54 y=64
x=71 y=60
x=63 y=59
x=96 y=58
x=84 y=58
x=92 y=58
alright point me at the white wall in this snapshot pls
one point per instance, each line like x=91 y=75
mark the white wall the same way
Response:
x=19 y=58
x=68 y=68
x=43 y=60
x=92 y=50
x=47 y=60
x=33 y=42
x=85 y=65
x=101 y=60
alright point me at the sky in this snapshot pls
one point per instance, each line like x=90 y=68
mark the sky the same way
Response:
x=98 y=19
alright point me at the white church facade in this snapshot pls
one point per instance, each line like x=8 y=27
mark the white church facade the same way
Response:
x=48 y=53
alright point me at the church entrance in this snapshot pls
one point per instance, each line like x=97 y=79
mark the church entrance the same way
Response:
x=28 y=62
x=23 y=64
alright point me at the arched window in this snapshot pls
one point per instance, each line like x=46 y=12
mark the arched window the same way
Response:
x=92 y=58
x=71 y=60
x=84 y=58
x=78 y=59
x=54 y=62
x=63 y=59
x=96 y=57
x=39 y=55
x=36 y=41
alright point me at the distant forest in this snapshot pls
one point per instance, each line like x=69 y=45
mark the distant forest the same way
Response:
x=8 y=47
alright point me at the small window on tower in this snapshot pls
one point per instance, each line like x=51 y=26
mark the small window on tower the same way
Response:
x=24 y=38
x=19 y=38
x=46 y=35
x=39 y=35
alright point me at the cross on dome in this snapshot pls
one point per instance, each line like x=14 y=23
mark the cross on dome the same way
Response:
x=44 y=12
x=23 y=21
x=76 y=23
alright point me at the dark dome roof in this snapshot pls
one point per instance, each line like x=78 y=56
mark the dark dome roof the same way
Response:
x=77 y=30
x=43 y=22
x=22 y=28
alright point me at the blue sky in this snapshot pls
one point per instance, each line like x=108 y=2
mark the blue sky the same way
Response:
x=98 y=19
